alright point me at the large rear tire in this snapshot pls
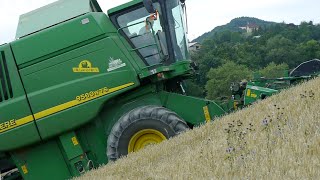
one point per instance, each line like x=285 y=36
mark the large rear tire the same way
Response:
x=141 y=127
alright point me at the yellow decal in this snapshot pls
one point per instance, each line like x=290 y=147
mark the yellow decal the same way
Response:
x=85 y=66
x=248 y=92
x=76 y=102
x=206 y=113
x=74 y=141
x=24 y=169
x=235 y=105
x=6 y=126
x=253 y=95
x=92 y=94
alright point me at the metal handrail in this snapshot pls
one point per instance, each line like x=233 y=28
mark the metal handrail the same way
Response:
x=138 y=48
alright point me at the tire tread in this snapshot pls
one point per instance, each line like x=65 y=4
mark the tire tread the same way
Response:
x=146 y=112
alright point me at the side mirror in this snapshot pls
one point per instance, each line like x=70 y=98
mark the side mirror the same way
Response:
x=149 y=6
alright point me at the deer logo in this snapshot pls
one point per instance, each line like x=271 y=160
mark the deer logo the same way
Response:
x=85 y=66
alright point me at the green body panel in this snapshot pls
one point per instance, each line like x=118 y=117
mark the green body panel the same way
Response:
x=44 y=94
x=277 y=83
x=71 y=146
x=92 y=138
x=64 y=157
x=19 y=137
x=43 y=161
x=73 y=117
x=260 y=87
x=254 y=93
x=58 y=38
x=47 y=16
x=176 y=69
x=73 y=154
x=191 y=108
x=15 y=107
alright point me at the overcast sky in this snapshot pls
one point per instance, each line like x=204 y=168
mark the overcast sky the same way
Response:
x=203 y=15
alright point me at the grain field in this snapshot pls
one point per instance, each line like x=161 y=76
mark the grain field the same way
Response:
x=278 y=138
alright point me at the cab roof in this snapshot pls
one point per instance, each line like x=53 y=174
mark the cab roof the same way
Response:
x=123 y=6
x=53 y=14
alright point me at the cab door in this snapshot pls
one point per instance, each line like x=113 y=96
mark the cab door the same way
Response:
x=17 y=125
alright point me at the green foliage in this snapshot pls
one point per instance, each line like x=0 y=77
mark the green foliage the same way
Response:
x=193 y=89
x=274 y=70
x=220 y=79
x=273 y=47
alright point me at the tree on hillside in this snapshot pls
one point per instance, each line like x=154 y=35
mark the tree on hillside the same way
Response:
x=312 y=49
x=206 y=58
x=286 y=45
x=220 y=79
x=274 y=70
x=281 y=50
x=193 y=89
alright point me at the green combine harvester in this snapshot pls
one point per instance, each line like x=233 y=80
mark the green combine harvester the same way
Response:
x=247 y=93
x=80 y=88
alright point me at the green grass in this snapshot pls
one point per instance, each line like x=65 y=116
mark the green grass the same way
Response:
x=278 y=138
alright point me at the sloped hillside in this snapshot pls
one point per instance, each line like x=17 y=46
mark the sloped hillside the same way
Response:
x=278 y=138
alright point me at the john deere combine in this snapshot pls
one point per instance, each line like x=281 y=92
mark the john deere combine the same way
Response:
x=246 y=93
x=80 y=88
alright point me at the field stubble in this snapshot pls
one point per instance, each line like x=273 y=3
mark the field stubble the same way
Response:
x=278 y=138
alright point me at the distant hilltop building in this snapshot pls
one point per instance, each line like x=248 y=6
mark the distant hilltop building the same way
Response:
x=250 y=27
x=291 y=25
x=195 y=46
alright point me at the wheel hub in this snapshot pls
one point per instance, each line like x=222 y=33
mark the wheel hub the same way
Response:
x=145 y=138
